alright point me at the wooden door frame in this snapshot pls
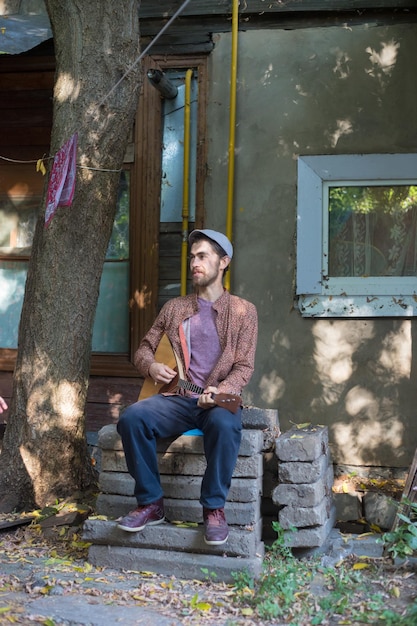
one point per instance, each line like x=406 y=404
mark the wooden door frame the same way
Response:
x=147 y=186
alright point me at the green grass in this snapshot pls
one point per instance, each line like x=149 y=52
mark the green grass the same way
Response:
x=301 y=592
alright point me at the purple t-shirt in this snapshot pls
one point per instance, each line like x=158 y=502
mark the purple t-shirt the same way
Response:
x=205 y=344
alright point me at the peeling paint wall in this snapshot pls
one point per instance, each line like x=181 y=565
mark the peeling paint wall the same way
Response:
x=306 y=92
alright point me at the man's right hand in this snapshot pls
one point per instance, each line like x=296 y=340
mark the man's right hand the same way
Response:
x=160 y=373
x=3 y=405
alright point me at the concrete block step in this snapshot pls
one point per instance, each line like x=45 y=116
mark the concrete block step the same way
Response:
x=184 y=464
x=252 y=442
x=302 y=444
x=183 y=487
x=304 y=495
x=300 y=472
x=312 y=537
x=182 y=565
x=261 y=419
x=166 y=536
x=237 y=513
x=301 y=517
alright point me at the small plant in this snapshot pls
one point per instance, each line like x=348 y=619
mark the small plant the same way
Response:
x=402 y=541
x=283 y=577
x=300 y=591
x=280 y=546
x=210 y=575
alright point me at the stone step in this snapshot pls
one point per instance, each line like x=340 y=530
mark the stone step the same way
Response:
x=166 y=536
x=183 y=487
x=253 y=418
x=182 y=565
x=237 y=513
x=312 y=537
x=302 y=444
x=304 y=495
x=304 y=472
x=252 y=442
x=184 y=464
x=301 y=517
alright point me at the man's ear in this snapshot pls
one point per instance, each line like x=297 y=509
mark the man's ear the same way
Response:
x=224 y=262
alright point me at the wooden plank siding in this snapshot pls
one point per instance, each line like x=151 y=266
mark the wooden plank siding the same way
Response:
x=106 y=398
x=25 y=107
x=151 y=9
x=170 y=243
x=200 y=19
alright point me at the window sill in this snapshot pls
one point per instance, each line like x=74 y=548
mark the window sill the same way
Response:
x=357 y=306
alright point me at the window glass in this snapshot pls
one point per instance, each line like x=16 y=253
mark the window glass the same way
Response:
x=372 y=230
x=357 y=235
x=12 y=289
x=172 y=180
x=18 y=214
x=17 y=223
x=111 y=325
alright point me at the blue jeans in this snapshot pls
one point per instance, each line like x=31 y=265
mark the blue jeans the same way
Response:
x=142 y=423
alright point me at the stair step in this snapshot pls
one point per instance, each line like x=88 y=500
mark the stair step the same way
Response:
x=182 y=565
x=237 y=513
x=241 y=542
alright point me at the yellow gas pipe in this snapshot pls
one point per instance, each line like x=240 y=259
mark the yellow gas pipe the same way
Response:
x=232 y=127
x=186 y=182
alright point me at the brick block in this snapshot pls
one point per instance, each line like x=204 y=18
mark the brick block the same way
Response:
x=252 y=442
x=261 y=419
x=380 y=509
x=182 y=565
x=312 y=537
x=303 y=472
x=307 y=494
x=241 y=542
x=237 y=513
x=187 y=464
x=348 y=507
x=302 y=444
x=183 y=487
x=302 y=517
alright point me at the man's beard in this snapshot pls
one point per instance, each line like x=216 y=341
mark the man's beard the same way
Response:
x=206 y=280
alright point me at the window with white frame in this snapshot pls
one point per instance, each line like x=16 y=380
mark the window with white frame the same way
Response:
x=357 y=235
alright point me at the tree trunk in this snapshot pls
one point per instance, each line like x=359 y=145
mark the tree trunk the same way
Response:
x=44 y=454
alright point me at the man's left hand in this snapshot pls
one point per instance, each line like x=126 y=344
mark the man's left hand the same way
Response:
x=205 y=401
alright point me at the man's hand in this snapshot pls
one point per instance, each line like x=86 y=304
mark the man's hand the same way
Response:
x=205 y=401
x=161 y=374
x=3 y=405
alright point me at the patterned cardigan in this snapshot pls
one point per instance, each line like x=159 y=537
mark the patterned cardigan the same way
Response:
x=237 y=327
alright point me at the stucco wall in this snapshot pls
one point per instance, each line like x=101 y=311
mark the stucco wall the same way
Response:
x=304 y=92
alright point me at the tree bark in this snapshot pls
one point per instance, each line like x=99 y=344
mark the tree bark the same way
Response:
x=44 y=453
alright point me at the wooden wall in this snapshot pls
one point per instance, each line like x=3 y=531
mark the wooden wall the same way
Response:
x=26 y=90
x=106 y=398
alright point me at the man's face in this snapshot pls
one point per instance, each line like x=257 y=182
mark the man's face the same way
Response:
x=206 y=266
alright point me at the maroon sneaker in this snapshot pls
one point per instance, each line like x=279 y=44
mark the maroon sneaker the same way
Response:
x=143 y=515
x=216 y=530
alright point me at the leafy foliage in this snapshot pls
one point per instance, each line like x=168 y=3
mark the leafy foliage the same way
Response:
x=354 y=591
x=402 y=541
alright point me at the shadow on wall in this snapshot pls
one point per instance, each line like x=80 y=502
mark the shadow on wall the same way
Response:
x=358 y=376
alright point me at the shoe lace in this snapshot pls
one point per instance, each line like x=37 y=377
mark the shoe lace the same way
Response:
x=216 y=516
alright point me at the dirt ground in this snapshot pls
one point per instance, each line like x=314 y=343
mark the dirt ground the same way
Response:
x=45 y=578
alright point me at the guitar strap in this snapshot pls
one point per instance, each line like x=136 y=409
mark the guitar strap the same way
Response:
x=184 y=336
x=180 y=368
